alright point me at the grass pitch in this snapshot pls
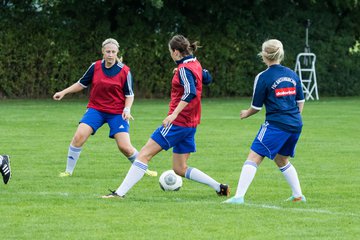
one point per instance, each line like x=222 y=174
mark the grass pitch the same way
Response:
x=37 y=204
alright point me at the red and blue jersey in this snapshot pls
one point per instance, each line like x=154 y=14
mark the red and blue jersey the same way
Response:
x=279 y=89
x=109 y=86
x=187 y=86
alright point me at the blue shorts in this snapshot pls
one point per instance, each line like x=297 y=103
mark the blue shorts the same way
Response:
x=95 y=119
x=181 y=139
x=271 y=140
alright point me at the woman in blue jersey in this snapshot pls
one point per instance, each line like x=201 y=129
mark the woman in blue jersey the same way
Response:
x=179 y=127
x=110 y=101
x=280 y=90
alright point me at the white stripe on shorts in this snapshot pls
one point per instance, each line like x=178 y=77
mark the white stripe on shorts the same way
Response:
x=262 y=131
x=166 y=130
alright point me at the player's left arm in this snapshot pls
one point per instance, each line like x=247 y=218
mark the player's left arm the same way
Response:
x=300 y=100
x=129 y=97
x=206 y=77
x=300 y=106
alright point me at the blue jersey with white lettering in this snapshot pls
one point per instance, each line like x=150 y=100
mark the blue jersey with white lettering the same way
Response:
x=279 y=89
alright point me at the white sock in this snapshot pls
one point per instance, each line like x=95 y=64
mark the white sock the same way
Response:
x=247 y=175
x=133 y=157
x=1 y=159
x=291 y=177
x=198 y=176
x=135 y=173
x=73 y=156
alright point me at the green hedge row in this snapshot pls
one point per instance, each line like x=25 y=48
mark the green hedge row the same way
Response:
x=45 y=50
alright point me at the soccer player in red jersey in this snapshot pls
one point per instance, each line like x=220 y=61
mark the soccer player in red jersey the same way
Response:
x=179 y=127
x=110 y=101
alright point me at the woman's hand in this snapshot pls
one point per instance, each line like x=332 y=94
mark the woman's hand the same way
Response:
x=58 y=95
x=126 y=114
x=168 y=120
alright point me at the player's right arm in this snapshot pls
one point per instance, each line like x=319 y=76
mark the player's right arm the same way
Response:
x=76 y=87
x=187 y=80
x=247 y=113
x=83 y=82
x=257 y=100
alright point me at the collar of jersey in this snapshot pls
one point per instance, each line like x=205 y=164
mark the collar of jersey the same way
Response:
x=186 y=59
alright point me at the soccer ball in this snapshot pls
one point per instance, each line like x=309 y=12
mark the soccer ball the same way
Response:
x=170 y=181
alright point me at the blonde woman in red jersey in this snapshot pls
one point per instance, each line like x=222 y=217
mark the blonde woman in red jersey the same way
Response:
x=110 y=101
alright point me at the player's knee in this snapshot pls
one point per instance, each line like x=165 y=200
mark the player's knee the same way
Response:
x=78 y=140
x=126 y=150
x=281 y=161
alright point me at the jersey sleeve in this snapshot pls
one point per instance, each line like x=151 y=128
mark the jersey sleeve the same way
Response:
x=128 y=86
x=86 y=79
x=259 y=93
x=187 y=80
x=206 y=77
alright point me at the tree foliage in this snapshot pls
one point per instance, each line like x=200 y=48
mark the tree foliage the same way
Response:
x=46 y=45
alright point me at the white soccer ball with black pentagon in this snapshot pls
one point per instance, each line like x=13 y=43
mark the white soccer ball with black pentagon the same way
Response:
x=170 y=181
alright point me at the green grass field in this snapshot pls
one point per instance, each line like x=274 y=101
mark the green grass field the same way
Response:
x=37 y=204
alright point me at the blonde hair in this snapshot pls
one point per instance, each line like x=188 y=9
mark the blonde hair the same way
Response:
x=112 y=41
x=272 y=50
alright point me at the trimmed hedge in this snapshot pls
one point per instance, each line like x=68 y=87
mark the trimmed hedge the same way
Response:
x=45 y=50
